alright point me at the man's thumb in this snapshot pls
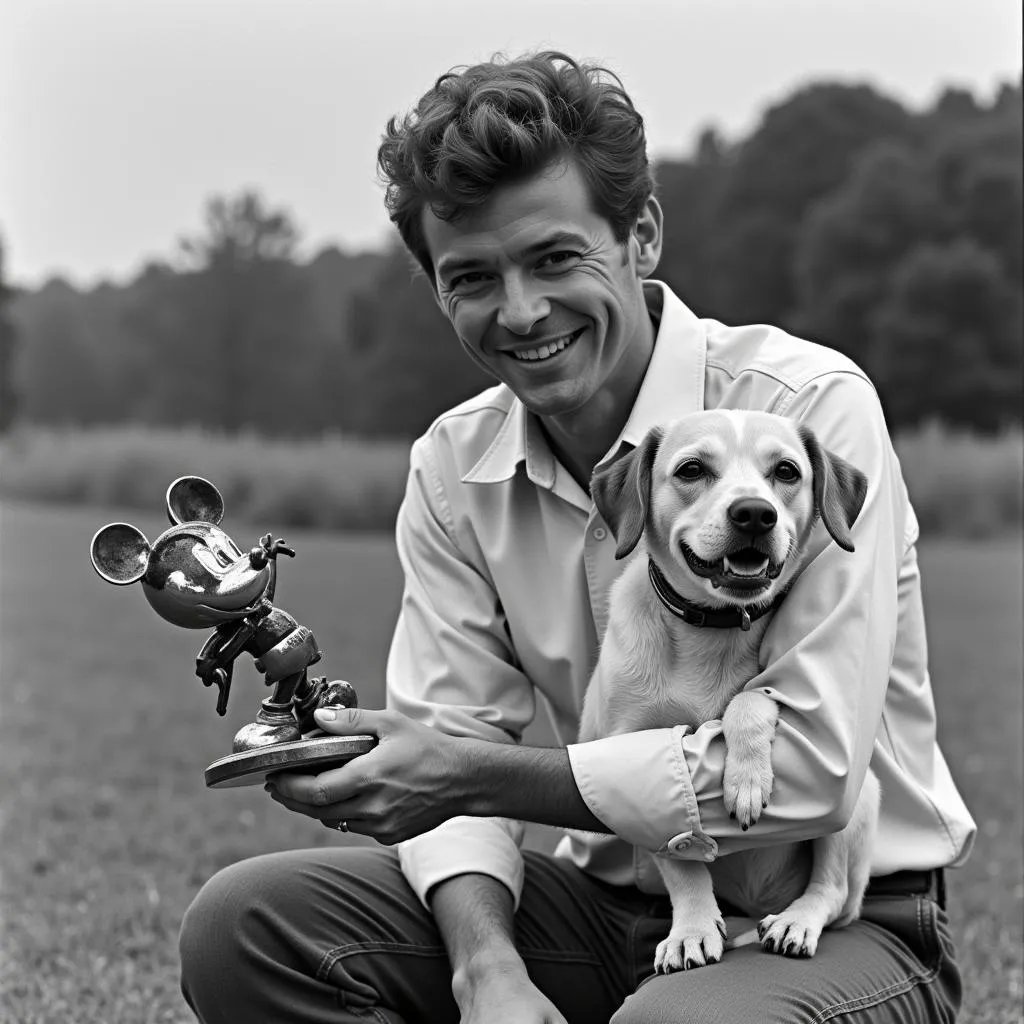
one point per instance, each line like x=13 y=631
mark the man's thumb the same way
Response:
x=343 y=721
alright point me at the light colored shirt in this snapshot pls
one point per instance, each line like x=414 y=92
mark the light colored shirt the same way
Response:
x=507 y=571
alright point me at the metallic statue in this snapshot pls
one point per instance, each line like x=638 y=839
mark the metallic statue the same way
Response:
x=194 y=575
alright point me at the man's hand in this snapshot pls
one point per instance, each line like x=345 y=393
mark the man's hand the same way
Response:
x=502 y=993
x=412 y=781
x=418 y=777
x=490 y=983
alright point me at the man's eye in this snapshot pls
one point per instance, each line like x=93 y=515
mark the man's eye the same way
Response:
x=558 y=259
x=467 y=280
x=786 y=472
x=692 y=469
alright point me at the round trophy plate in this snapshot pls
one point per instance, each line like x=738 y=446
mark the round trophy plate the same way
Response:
x=251 y=767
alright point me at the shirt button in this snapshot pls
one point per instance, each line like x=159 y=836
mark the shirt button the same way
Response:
x=680 y=842
x=600 y=533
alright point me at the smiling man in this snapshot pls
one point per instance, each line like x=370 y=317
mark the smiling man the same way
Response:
x=523 y=189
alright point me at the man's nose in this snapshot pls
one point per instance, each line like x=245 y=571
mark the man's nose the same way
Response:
x=753 y=516
x=522 y=307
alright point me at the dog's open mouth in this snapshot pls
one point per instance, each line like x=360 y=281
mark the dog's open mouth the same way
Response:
x=747 y=568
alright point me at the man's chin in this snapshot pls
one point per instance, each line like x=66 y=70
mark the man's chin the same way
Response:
x=559 y=398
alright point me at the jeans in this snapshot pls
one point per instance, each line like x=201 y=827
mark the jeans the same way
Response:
x=336 y=935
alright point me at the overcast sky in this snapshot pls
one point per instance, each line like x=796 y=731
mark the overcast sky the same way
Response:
x=118 y=117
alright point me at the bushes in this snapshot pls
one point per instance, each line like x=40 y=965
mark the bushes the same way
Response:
x=960 y=483
x=332 y=482
x=963 y=484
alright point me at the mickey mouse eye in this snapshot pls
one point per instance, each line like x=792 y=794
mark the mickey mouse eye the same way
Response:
x=692 y=469
x=786 y=472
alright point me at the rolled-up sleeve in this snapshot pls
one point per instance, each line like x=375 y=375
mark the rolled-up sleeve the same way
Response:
x=825 y=659
x=451 y=666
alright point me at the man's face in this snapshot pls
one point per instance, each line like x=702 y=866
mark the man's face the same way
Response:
x=542 y=296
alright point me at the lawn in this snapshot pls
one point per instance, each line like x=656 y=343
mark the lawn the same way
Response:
x=108 y=830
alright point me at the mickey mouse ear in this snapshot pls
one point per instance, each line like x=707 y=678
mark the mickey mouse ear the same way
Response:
x=192 y=499
x=120 y=553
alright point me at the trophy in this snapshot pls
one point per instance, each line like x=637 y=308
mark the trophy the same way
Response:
x=195 y=576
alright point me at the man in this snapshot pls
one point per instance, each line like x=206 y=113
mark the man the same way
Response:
x=523 y=189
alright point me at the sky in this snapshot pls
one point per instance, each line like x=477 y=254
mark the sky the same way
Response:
x=119 y=118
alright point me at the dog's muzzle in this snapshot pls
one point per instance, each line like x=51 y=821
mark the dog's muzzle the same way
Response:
x=747 y=568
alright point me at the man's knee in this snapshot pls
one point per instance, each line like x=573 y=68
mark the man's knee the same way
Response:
x=213 y=930
x=263 y=912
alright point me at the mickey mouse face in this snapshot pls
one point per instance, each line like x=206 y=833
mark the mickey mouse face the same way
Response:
x=194 y=574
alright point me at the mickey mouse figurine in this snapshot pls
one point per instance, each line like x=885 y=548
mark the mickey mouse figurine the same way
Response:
x=194 y=575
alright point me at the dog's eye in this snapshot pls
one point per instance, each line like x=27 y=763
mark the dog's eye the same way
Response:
x=787 y=472
x=692 y=469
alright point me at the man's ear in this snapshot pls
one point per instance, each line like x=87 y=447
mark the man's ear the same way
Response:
x=192 y=499
x=839 y=489
x=647 y=237
x=622 y=492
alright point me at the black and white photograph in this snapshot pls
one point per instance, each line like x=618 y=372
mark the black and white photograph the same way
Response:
x=512 y=512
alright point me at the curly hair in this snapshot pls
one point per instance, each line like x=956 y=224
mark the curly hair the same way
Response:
x=504 y=120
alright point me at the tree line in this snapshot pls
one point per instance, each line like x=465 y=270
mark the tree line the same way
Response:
x=894 y=236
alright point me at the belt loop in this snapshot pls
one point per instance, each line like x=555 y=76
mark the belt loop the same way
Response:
x=940 y=888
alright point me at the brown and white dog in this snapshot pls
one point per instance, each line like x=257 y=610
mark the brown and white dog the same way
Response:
x=720 y=507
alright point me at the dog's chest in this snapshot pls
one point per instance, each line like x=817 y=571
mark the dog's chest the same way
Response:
x=701 y=671
x=671 y=673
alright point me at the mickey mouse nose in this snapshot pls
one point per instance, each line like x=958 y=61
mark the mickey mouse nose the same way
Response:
x=753 y=516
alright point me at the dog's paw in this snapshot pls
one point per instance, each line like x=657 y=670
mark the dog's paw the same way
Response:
x=789 y=934
x=747 y=786
x=686 y=948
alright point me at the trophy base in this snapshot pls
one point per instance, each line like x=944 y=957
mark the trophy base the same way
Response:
x=251 y=767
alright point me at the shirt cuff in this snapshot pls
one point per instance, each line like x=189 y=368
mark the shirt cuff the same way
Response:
x=464 y=845
x=639 y=785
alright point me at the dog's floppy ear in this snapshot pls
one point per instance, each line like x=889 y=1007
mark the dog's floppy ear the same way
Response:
x=622 y=492
x=839 y=489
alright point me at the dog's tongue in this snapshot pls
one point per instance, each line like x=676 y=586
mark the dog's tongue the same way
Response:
x=747 y=563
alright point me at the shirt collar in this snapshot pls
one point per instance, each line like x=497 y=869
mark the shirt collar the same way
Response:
x=672 y=387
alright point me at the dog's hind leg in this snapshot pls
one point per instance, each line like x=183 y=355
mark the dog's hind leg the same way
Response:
x=859 y=872
x=839 y=876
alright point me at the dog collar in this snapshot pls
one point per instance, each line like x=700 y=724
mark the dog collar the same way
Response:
x=698 y=615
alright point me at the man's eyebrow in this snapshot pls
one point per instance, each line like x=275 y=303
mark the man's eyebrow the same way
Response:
x=449 y=265
x=555 y=239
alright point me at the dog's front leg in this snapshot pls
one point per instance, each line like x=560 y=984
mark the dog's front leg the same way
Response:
x=697 y=935
x=749 y=728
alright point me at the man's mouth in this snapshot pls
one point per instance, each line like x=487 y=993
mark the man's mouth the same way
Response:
x=548 y=350
x=746 y=568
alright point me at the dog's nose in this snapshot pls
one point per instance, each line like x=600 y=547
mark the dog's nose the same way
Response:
x=753 y=515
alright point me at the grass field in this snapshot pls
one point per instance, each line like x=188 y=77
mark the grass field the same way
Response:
x=108 y=830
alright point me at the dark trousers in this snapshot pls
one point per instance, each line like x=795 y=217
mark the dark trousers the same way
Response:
x=336 y=935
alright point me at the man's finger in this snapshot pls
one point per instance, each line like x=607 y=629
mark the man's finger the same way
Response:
x=351 y=721
x=292 y=805
x=315 y=791
x=337 y=811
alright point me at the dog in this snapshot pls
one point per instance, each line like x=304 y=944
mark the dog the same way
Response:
x=717 y=509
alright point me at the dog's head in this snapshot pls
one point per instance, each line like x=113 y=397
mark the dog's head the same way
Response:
x=726 y=501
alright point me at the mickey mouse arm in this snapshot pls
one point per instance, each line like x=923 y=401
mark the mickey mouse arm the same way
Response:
x=216 y=658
